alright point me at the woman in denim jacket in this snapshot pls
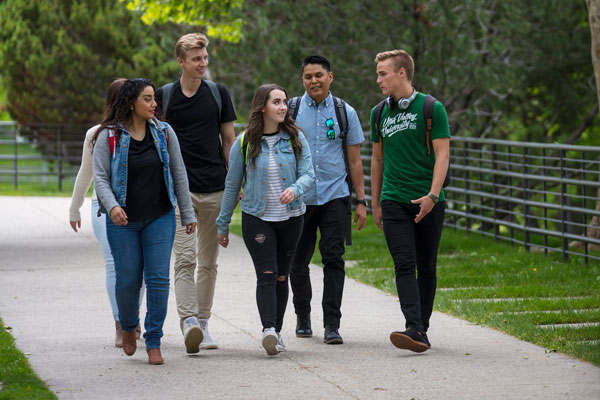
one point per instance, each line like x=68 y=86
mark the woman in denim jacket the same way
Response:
x=272 y=162
x=140 y=177
x=84 y=180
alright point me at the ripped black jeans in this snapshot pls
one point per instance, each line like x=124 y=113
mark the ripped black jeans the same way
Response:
x=272 y=246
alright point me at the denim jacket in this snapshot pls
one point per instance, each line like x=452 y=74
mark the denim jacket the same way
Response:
x=110 y=170
x=296 y=174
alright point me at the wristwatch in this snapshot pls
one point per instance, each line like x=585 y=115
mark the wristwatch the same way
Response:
x=433 y=197
x=363 y=202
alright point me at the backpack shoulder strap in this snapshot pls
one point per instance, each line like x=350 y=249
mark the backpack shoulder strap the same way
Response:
x=342 y=116
x=113 y=141
x=214 y=90
x=244 y=151
x=293 y=105
x=166 y=97
x=244 y=148
x=428 y=114
x=377 y=117
x=164 y=131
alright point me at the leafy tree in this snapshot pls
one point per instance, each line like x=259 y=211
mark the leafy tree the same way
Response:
x=3 y=112
x=58 y=57
x=219 y=16
x=510 y=69
x=594 y=19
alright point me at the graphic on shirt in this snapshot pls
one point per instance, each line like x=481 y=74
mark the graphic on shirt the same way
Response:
x=401 y=122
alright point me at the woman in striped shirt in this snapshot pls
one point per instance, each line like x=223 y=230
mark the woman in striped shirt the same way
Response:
x=271 y=161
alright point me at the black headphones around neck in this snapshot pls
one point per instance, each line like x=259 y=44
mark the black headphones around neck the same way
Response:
x=402 y=103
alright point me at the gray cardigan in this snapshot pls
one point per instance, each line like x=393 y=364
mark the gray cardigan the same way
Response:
x=102 y=173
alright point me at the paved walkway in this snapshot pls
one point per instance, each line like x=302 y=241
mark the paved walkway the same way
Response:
x=52 y=294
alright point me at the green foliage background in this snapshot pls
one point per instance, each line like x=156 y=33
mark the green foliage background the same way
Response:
x=515 y=69
x=510 y=70
x=58 y=57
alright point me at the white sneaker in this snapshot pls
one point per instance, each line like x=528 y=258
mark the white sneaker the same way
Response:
x=269 y=341
x=192 y=335
x=207 y=342
x=280 y=346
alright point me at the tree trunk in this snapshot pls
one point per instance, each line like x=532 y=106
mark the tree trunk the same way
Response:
x=594 y=18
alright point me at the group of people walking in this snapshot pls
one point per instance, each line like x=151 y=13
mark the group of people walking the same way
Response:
x=173 y=186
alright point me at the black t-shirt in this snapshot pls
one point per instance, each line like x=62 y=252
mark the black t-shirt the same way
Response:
x=197 y=125
x=147 y=195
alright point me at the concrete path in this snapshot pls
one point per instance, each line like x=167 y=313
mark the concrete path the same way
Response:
x=52 y=294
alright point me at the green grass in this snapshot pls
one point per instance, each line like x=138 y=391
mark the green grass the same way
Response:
x=477 y=267
x=17 y=379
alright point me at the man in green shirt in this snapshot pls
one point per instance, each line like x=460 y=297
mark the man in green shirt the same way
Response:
x=406 y=190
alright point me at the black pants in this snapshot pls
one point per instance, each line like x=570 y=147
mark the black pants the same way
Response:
x=331 y=219
x=414 y=245
x=271 y=246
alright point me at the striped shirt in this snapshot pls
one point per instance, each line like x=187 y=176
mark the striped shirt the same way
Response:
x=274 y=210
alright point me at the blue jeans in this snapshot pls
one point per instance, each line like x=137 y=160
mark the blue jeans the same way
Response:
x=142 y=251
x=99 y=227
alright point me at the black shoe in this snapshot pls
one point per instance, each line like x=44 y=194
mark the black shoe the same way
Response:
x=426 y=339
x=332 y=336
x=410 y=339
x=303 y=328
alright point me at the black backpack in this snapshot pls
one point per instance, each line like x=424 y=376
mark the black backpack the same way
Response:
x=342 y=117
x=427 y=113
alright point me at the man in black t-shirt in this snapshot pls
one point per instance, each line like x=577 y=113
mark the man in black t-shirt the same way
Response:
x=202 y=115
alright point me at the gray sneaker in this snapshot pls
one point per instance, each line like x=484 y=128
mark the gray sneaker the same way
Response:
x=207 y=342
x=280 y=346
x=192 y=335
x=269 y=341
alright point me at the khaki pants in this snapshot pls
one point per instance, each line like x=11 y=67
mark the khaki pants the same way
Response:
x=195 y=297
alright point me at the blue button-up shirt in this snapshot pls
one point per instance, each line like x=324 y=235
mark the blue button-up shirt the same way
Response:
x=327 y=154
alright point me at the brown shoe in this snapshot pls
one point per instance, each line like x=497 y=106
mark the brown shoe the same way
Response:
x=129 y=345
x=154 y=357
x=118 y=335
x=138 y=331
x=410 y=339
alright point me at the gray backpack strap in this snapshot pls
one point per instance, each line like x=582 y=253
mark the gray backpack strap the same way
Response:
x=166 y=97
x=293 y=104
x=342 y=116
x=214 y=90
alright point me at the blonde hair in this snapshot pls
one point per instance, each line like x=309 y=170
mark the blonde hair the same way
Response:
x=400 y=59
x=190 y=41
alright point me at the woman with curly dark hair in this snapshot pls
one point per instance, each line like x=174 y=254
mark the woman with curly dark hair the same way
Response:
x=84 y=180
x=140 y=177
x=271 y=160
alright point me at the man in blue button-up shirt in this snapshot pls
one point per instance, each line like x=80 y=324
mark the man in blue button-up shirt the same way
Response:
x=327 y=200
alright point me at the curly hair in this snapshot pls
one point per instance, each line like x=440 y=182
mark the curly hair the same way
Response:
x=255 y=128
x=122 y=108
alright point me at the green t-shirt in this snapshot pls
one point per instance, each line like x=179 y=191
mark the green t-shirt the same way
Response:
x=408 y=169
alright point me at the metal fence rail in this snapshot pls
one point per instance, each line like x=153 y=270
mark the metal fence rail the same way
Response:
x=541 y=196
x=40 y=152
